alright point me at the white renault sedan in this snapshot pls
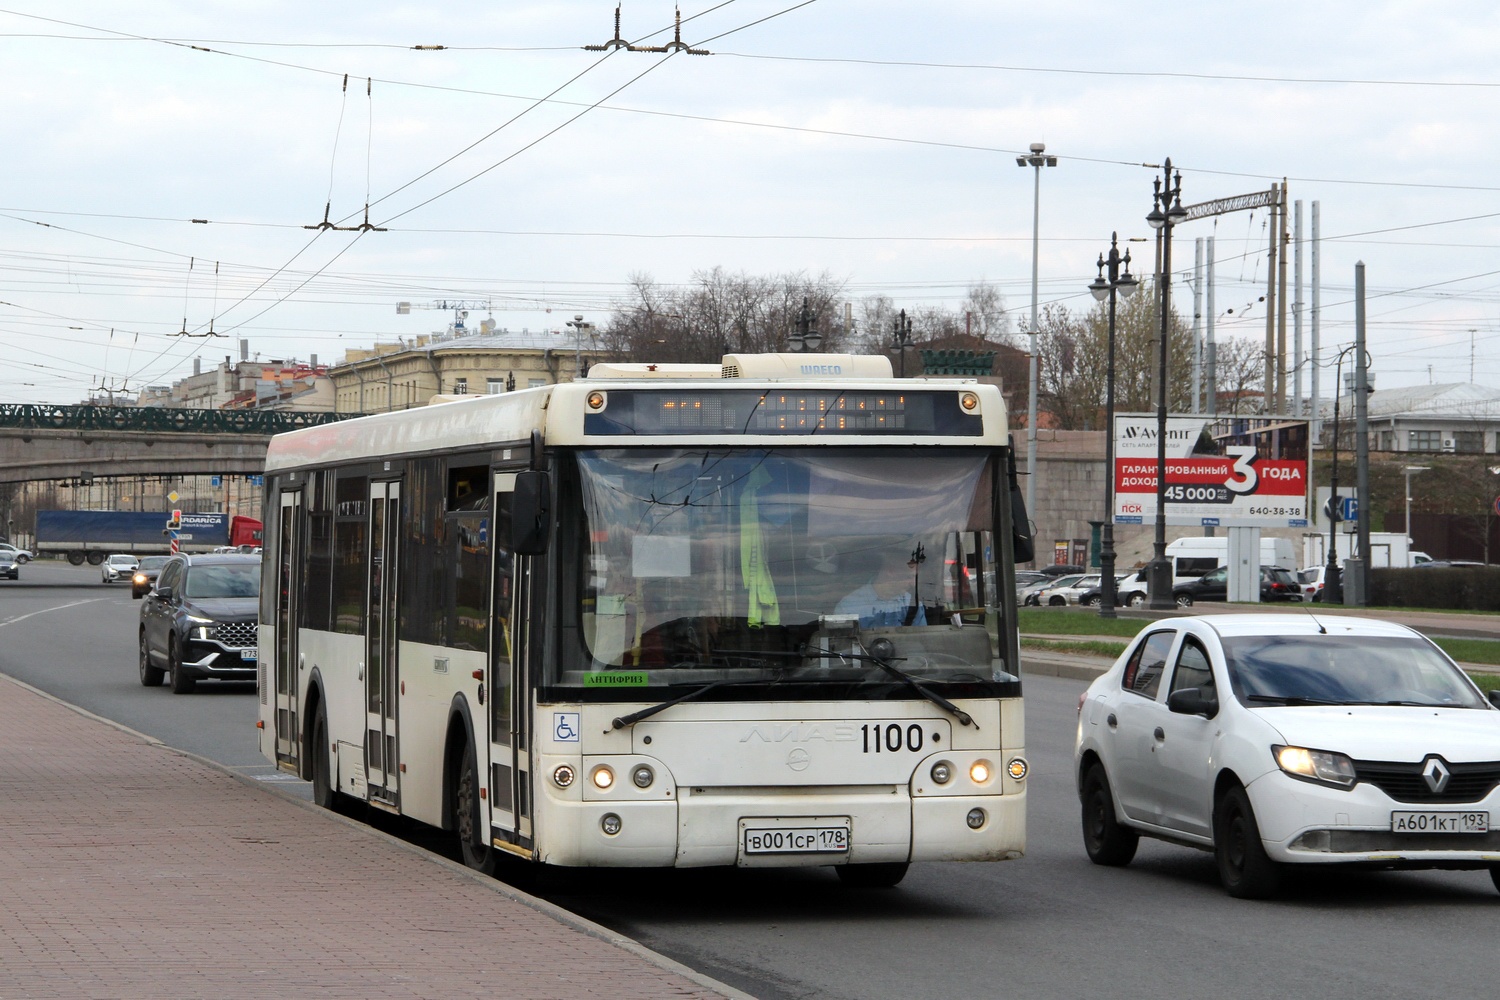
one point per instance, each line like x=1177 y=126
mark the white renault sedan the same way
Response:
x=1275 y=740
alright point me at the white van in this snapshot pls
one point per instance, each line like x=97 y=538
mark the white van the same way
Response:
x=1192 y=557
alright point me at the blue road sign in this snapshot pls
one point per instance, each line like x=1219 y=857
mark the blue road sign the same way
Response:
x=1350 y=510
x=216 y=481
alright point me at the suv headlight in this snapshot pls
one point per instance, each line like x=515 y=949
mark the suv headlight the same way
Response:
x=1320 y=766
x=202 y=628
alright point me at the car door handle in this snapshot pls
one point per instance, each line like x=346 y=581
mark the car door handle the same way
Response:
x=1160 y=734
x=1113 y=722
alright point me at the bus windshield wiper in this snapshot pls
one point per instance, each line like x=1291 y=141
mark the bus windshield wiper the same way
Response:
x=884 y=663
x=623 y=721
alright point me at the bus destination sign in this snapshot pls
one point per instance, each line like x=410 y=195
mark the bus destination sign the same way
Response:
x=799 y=411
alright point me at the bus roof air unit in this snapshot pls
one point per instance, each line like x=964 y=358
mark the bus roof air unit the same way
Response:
x=803 y=366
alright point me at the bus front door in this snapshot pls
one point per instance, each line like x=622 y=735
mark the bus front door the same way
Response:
x=382 y=759
x=284 y=653
x=509 y=694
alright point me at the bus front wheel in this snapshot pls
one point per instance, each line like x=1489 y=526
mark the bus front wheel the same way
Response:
x=473 y=838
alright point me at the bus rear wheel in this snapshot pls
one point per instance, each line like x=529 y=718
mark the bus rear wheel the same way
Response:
x=473 y=840
x=322 y=766
x=881 y=875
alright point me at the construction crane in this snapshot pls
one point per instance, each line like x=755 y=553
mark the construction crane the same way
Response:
x=459 y=307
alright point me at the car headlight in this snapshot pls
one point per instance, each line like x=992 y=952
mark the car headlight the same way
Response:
x=1320 y=766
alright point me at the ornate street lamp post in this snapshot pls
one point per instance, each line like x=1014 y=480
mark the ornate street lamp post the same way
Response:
x=1107 y=288
x=806 y=338
x=1166 y=212
x=902 y=337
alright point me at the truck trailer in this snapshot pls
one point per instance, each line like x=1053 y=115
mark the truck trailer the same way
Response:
x=92 y=535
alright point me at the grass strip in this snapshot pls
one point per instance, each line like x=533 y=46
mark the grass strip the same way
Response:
x=1080 y=647
x=1486 y=651
x=1486 y=682
x=1062 y=621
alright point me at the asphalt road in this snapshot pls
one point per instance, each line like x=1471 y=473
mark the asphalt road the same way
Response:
x=1050 y=925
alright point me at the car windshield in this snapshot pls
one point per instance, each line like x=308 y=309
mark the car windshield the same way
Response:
x=231 y=580
x=153 y=562
x=122 y=560
x=1344 y=670
x=754 y=564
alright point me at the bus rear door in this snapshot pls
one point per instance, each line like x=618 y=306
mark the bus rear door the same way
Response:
x=382 y=749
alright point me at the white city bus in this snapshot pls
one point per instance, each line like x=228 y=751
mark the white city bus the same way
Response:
x=618 y=622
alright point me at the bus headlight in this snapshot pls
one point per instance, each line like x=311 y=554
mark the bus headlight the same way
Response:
x=942 y=772
x=603 y=777
x=979 y=772
x=643 y=776
x=563 y=775
x=610 y=824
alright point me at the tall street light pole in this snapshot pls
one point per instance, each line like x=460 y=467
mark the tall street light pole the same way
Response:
x=1410 y=471
x=1166 y=212
x=1103 y=288
x=1037 y=160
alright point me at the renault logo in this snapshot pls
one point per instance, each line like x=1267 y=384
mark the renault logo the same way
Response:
x=1436 y=774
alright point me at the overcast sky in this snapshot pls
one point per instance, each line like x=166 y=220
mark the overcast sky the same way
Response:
x=875 y=140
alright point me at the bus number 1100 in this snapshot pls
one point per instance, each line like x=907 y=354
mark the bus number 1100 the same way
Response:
x=889 y=737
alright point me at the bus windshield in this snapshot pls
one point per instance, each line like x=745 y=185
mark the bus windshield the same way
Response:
x=746 y=565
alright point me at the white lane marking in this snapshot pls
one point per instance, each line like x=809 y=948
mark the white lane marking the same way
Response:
x=60 y=607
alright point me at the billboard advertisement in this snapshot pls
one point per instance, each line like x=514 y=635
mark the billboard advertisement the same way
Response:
x=1221 y=471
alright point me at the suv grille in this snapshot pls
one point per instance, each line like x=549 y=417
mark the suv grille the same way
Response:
x=237 y=633
x=1404 y=782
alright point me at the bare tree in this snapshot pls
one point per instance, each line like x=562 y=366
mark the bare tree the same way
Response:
x=720 y=312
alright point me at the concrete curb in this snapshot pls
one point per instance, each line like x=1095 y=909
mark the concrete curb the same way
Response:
x=558 y=913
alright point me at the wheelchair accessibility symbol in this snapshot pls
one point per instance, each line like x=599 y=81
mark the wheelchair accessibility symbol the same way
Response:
x=565 y=727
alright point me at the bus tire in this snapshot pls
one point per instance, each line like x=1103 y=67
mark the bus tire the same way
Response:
x=324 y=794
x=478 y=853
x=150 y=676
x=181 y=682
x=880 y=875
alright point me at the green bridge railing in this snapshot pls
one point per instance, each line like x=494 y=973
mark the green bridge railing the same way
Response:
x=160 y=419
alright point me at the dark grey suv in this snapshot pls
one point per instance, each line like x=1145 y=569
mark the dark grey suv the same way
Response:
x=200 y=621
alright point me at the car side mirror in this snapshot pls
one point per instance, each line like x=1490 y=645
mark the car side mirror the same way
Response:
x=1495 y=697
x=162 y=593
x=1191 y=701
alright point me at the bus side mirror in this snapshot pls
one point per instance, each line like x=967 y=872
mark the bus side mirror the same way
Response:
x=530 y=514
x=1023 y=543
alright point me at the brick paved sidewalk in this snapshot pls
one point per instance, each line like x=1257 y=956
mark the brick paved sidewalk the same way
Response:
x=128 y=869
